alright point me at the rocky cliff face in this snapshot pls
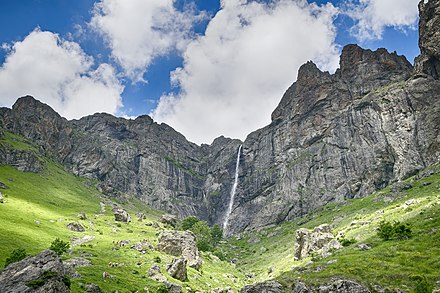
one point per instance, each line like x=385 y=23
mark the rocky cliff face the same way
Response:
x=333 y=137
x=429 y=60
x=339 y=136
x=129 y=157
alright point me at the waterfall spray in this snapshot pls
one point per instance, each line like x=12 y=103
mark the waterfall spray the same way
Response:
x=234 y=188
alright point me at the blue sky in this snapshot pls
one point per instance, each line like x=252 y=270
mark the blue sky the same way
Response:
x=204 y=67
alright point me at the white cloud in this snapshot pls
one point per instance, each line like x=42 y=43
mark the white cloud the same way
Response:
x=60 y=74
x=137 y=31
x=234 y=76
x=372 y=16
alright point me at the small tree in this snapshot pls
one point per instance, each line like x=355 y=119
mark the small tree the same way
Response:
x=402 y=231
x=188 y=222
x=204 y=245
x=202 y=231
x=396 y=230
x=385 y=230
x=216 y=234
x=16 y=255
x=59 y=246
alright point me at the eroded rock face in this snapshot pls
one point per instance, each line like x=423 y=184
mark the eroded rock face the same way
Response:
x=22 y=160
x=46 y=268
x=181 y=243
x=320 y=240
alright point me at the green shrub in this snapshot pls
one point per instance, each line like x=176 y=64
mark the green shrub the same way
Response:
x=188 y=223
x=385 y=230
x=204 y=245
x=347 y=242
x=59 y=246
x=157 y=259
x=216 y=234
x=16 y=255
x=207 y=238
x=219 y=254
x=396 y=230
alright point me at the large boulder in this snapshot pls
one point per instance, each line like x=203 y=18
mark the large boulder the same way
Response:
x=169 y=219
x=154 y=273
x=121 y=215
x=181 y=243
x=300 y=287
x=177 y=269
x=266 y=287
x=92 y=288
x=37 y=274
x=76 y=227
x=320 y=240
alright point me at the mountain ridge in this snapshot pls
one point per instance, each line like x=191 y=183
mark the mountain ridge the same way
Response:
x=332 y=137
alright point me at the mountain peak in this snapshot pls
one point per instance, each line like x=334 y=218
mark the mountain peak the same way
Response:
x=429 y=38
x=357 y=62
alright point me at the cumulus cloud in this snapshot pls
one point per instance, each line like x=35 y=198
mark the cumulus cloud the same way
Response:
x=59 y=73
x=372 y=16
x=138 y=31
x=234 y=76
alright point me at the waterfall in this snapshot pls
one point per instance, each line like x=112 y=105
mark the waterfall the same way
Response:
x=234 y=188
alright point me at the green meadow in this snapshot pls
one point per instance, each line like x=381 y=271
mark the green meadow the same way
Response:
x=38 y=206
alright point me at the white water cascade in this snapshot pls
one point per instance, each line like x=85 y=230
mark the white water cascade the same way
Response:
x=234 y=188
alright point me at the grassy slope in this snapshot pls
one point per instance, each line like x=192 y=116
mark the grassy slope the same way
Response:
x=391 y=264
x=38 y=207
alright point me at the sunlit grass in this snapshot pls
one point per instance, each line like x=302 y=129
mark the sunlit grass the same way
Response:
x=392 y=264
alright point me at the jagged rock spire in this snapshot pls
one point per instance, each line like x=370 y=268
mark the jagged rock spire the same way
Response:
x=429 y=38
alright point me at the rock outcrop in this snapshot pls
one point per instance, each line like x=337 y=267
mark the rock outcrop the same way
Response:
x=181 y=243
x=76 y=227
x=177 y=269
x=169 y=219
x=320 y=240
x=340 y=286
x=42 y=273
x=154 y=273
x=266 y=287
x=121 y=215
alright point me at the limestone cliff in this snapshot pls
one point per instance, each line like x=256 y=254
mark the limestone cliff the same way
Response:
x=332 y=137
